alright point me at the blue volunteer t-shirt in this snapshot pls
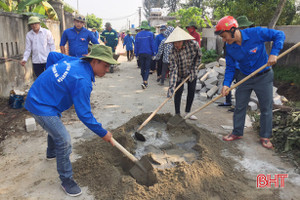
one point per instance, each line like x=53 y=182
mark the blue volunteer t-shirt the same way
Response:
x=78 y=42
x=252 y=54
x=67 y=82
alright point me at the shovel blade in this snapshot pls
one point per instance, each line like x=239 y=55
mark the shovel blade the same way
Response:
x=142 y=171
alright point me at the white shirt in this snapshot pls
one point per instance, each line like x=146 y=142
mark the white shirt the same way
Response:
x=41 y=44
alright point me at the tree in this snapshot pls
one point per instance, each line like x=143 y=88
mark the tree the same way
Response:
x=260 y=12
x=148 y=4
x=172 y=5
x=93 y=21
x=185 y=16
x=277 y=14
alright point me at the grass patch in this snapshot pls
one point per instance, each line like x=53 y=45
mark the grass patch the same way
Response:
x=289 y=74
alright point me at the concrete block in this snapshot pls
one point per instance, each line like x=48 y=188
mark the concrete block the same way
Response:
x=30 y=124
x=253 y=105
x=212 y=91
x=212 y=73
x=274 y=91
x=253 y=97
x=222 y=62
x=219 y=89
x=248 y=122
x=201 y=73
x=198 y=86
x=212 y=81
x=203 y=96
x=211 y=65
x=220 y=70
x=209 y=86
x=204 y=77
x=277 y=100
x=203 y=89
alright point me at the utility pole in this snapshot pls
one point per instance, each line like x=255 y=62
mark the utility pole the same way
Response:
x=78 y=6
x=129 y=25
x=140 y=16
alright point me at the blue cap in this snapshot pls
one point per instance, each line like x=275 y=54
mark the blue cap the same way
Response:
x=163 y=27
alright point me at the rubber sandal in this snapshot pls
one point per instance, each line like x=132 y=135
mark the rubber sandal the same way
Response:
x=231 y=137
x=265 y=142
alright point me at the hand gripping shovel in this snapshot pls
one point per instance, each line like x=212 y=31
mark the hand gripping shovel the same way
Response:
x=138 y=135
x=140 y=171
x=242 y=81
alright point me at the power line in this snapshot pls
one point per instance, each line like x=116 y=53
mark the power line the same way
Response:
x=119 y=18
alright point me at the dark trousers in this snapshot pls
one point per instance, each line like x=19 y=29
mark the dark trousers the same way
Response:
x=39 y=68
x=153 y=65
x=159 y=67
x=165 y=67
x=145 y=62
x=190 y=96
x=129 y=54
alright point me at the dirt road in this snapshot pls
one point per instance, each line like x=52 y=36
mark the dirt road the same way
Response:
x=117 y=98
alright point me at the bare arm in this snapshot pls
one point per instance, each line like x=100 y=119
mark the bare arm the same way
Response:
x=63 y=50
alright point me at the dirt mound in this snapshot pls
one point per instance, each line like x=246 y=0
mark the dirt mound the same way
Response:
x=211 y=176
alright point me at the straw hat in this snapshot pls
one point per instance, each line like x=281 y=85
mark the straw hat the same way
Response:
x=33 y=20
x=179 y=35
x=79 y=17
x=101 y=52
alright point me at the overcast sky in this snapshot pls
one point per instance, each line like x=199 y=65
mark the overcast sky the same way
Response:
x=117 y=12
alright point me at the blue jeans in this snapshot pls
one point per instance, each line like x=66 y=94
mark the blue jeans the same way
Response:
x=262 y=85
x=145 y=63
x=59 y=144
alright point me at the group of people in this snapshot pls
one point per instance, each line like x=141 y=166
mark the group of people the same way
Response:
x=68 y=79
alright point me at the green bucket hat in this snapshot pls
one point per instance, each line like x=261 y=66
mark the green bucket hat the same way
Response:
x=243 y=21
x=128 y=32
x=101 y=52
x=33 y=20
x=193 y=24
x=144 y=25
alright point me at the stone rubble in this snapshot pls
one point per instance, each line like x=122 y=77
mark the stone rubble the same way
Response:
x=210 y=83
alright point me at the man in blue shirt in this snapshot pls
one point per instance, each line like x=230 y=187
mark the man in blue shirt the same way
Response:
x=144 y=48
x=247 y=48
x=67 y=81
x=78 y=38
x=95 y=32
x=158 y=40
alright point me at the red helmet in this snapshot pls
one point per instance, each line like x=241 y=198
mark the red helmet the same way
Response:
x=227 y=23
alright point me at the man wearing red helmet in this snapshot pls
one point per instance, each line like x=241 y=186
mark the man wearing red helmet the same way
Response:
x=246 y=47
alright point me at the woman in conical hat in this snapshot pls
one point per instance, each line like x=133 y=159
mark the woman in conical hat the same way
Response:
x=185 y=57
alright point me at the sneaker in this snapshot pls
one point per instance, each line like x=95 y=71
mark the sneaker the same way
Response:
x=50 y=158
x=224 y=104
x=192 y=117
x=144 y=85
x=71 y=188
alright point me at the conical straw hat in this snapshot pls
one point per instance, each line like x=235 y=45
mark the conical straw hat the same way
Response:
x=179 y=35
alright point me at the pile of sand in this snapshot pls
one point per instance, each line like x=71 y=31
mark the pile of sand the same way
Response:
x=105 y=170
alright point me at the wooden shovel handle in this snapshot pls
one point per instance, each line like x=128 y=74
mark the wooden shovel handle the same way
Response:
x=163 y=103
x=124 y=151
x=243 y=80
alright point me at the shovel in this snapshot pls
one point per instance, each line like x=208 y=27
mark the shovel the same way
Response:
x=242 y=81
x=140 y=171
x=138 y=135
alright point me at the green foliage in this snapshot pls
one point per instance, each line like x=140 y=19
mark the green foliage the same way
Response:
x=68 y=8
x=29 y=7
x=208 y=55
x=260 y=12
x=93 y=21
x=185 y=16
x=288 y=74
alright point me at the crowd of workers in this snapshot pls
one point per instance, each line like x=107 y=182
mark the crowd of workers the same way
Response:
x=65 y=79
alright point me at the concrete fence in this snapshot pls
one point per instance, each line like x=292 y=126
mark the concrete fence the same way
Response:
x=12 y=45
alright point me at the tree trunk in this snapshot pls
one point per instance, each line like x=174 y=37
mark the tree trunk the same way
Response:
x=274 y=20
x=277 y=14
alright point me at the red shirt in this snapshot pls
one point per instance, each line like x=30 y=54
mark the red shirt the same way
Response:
x=197 y=37
x=194 y=33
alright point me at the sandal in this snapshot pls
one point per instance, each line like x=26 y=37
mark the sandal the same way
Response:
x=231 y=137
x=265 y=142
